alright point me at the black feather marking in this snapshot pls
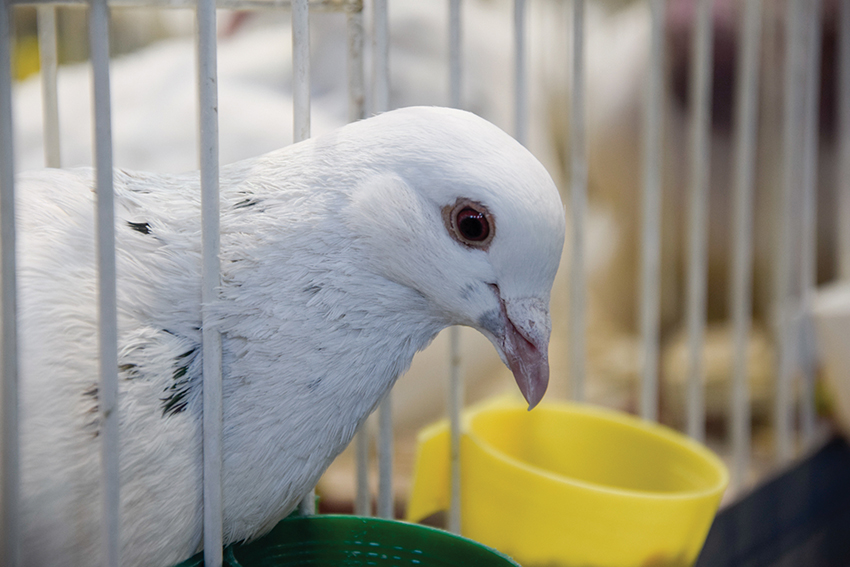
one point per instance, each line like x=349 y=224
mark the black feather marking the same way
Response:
x=129 y=370
x=245 y=203
x=176 y=400
x=187 y=354
x=143 y=227
x=96 y=425
x=175 y=403
x=313 y=289
x=94 y=409
x=180 y=373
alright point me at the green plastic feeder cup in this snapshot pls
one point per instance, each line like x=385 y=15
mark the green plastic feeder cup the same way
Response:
x=353 y=541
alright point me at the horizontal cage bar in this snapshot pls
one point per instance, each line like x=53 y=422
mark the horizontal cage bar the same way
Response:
x=320 y=5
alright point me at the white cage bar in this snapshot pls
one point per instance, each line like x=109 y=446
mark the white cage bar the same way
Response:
x=844 y=140
x=746 y=124
x=650 y=285
x=456 y=384
x=520 y=80
x=578 y=209
x=795 y=80
x=357 y=111
x=321 y=5
x=807 y=270
x=212 y=351
x=700 y=91
x=301 y=121
x=107 y=286
x=301 y=69
x=49 y=65
x=381 y=103
x=9 y=520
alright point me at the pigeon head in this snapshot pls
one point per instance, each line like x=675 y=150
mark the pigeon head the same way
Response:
x=458 y=211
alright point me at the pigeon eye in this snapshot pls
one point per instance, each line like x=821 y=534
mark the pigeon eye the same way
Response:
x=469 y=223
x=472 y=225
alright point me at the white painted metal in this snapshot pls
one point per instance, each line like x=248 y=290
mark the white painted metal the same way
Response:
x=380 y=57
x=700 y=101
x=211 y=278
x=301 y=124
x=49 y=65
x=455 y=406
x=746 y=122
x=363 y=497
x=844 y=142
x=385 y=458
x=10 y=469
x=323 y=5
x=807 y=270
x=456 y=384
x=795 y=80
x=107 y=307
x=381 y=103
x=301 y=69
x=356 y=88
x=357 y=111
x=578 y=208
x=651 y=238
x=520 y=75
x=455 y=66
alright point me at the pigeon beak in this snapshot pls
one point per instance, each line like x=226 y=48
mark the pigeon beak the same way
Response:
x=523 y=342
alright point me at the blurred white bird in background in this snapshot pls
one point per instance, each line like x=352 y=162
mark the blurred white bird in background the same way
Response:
x=341 y=257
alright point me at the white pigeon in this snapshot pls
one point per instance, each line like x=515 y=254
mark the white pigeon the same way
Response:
x=341 y=257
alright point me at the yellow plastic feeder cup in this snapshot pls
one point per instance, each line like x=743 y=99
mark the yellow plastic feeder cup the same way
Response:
x=573 y=485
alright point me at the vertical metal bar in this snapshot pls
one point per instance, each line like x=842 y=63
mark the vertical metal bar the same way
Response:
x=455 y=406
x=385 y=458
x=808 y=240
x=357 y=111
x=9 y=497
x=844 y=142
x=746 y=123
x=380 y=103
x=301 y=68
x=520 y=81
x=107 y=314
x=578 y=208
x=210 y=240
x=363 y=499
x=456 y=385
x=301 y=122
x=381 y=60
x=49 y=65
x=356 y=90
x=651 y=238
x=454 y=54
x=700 y=93
x=795 y=74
